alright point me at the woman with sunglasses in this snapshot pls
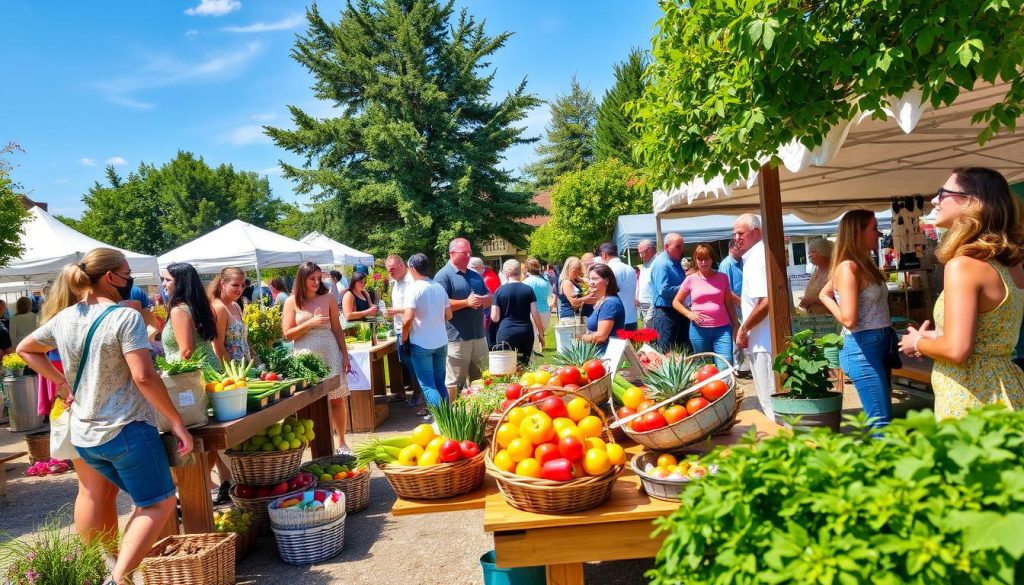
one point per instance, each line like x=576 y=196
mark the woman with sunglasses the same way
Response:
x=978 y=315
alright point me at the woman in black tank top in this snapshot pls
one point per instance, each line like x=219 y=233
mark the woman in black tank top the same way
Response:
x=358 y=303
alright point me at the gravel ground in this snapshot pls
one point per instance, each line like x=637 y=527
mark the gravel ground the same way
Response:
x=426 y=549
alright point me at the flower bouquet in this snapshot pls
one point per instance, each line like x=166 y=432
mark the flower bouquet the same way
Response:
x=48 y=467
x=13 y=363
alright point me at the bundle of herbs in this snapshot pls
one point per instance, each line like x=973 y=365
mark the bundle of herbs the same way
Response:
x=462 y=421
x=197 y=361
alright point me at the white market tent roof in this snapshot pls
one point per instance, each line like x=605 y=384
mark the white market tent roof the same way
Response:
x=50 y=245
x=631 y=229
x=864 y=162
x=246 y=246
x=343 y=255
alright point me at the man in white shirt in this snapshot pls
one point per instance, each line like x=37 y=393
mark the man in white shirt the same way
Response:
x=625 y=277
x=644 y=299
x=401 y=280
x=754 y=335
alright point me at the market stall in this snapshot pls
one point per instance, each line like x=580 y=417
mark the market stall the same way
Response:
x=368 y=404
x=343 y=255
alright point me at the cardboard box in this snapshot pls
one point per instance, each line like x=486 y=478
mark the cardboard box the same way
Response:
x=188 y=395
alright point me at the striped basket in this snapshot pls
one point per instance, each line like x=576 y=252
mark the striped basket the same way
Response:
x=304 y=546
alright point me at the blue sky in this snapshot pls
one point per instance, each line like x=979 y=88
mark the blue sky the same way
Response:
x=88 y=84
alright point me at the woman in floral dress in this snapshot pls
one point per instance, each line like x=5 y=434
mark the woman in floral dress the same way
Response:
x=311 y=321
x=230 y=342
x=978 y=315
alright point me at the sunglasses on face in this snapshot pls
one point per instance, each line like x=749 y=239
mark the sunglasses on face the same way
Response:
x=943 y=193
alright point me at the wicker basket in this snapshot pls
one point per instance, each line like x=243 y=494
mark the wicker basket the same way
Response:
x=436 y=482
x=491 y=423
x=296 y=518
x=356 y=489
x=213 y=565
x=304 y=546
x=264 y=467
x=544 y=496
x=718 y=416
x=258 y=506
x=598 y=390
x=246 y=541
x=38 y=446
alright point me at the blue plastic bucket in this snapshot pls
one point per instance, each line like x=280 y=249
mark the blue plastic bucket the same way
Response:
x=517 y=576
x=229 y=404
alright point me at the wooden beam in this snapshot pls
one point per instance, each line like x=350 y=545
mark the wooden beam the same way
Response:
x=657 y=233
x=779 y=303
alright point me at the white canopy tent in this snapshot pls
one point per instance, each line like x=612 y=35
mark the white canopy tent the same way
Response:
x=50 y=245
x=343 y=255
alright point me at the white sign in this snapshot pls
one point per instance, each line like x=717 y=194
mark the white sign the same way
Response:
x=186 y=398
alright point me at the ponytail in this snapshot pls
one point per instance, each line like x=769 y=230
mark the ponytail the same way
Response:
x=77 y=280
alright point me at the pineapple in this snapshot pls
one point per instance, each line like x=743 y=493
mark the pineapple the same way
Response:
x=672 y=375
x=576 y=354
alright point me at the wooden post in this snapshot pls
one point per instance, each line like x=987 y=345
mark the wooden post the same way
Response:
x=657 y=233
x=779 y=304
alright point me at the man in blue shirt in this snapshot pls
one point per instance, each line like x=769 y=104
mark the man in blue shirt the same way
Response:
x=732 y=266
x=666 y=276
x=467 y=340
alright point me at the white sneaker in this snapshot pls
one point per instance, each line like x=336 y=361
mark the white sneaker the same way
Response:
x=343 y=451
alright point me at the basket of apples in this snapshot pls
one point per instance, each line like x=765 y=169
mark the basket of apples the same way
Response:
x=548 y=456
x=685 y=400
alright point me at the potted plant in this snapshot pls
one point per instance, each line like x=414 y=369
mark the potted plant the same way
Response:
x=804 y=368
x=14 y=364
x=263 y=325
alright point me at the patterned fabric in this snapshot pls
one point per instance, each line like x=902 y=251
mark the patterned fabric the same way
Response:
x=173 y=352
x=236 y=343
x=872 y=308
x=321 y=341
x=987 y=376
x=107 y=399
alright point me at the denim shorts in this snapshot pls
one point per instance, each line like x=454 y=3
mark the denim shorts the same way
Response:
x=134 y=461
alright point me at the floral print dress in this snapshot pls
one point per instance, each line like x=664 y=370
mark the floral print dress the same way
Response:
x=321 y=341
x=987 y=376
x=235 y=339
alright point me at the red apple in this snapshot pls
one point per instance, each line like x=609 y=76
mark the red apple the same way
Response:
x=280 y=489
x=450 y=451
x=571 y=448
x=244 y=491
x=469 y=449
x=553 y=407
x=514 y=391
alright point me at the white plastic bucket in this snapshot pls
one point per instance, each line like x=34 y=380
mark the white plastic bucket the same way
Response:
x=229 y=404
x=501 y=362
x=565 y=334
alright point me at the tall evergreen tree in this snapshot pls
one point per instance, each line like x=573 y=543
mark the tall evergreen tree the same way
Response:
x=12 y=213
x=570 y=137
x=612 y=135
x=412 y=158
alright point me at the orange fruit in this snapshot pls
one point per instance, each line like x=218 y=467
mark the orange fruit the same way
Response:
x=503 y=461
x=596 y=462
x=507 y=432
x=520 y=449
x=632 y=397
x=665 y=459
x=529 y=467
x=616 y=454
x=591 y=426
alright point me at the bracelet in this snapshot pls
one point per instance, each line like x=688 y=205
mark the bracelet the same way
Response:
x=917 y=341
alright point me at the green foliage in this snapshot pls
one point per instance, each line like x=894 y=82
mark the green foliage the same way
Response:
x=262 y=324
x=926 y=502
x=54 y=555
x=804 y=366
x=613 y=137
x=732 y=81
x=411 y=157
x=570 y=141
x=12 y=213
x=585 y=205
x=154 y=210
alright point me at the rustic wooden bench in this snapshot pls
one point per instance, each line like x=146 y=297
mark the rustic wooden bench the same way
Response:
x=4 y=459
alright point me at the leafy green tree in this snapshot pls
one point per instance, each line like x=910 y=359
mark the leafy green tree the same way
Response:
x=153 y=210
x=731 y=81
x=12 y=212
x=613 y=137
x=585 y=205
x=411 y=160
x=570 y=137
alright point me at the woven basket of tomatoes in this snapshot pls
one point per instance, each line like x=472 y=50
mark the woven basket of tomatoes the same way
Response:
x=549 y=457
x=685 y=400
x=582 y=372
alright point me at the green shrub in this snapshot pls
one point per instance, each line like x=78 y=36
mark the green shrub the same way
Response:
x=54 y=556
x=927 y=502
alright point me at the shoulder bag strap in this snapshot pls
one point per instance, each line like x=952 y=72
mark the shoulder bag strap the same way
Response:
x=88 y=342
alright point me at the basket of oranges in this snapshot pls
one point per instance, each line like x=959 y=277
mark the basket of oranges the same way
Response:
x=552 y=456
x=686 y=400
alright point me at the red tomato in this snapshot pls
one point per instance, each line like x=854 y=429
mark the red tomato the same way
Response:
x=553 y=407
x=624 y=412
x=654 y=420
x=695 y=404
x=714 y=390
x=546 y=452
x=514 y=391
x=644 y=405
x=570 y=387
x=541 y=395
x=570 y=375
x=595 y=369
x=706 y=372
x=556 y=381
x=675 y=413
x=638 y=425
x=571 y=448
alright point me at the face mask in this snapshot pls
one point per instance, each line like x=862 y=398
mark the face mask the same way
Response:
x=126 y=290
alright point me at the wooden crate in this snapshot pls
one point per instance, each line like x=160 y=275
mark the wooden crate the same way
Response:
x=366 y=412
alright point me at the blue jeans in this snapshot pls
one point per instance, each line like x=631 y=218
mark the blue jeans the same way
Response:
x=714 y=339
x=673 y=329
x=429 y=367
x=135 y=461
x=863 y=359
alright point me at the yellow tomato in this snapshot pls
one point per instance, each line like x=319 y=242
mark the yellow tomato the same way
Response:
x=666 y=459
x=410 y=455
x=578 y=408
x=520 y=449
x=429 y=458
x=507 y=433
x=503 y=461
x=591 y=426
x=529 y=467
x=516 y=415
x=616 y=454
x=422 y=434
x=218 y=387
x=572 y=432
x=596 y=462
x=541 y=377
x=632 y=397
x=562 y=423
x=435 y=444
x=531 y=409
x=595 y=443
x=529 y=379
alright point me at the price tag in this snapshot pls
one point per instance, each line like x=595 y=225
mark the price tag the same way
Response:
x=186 y=398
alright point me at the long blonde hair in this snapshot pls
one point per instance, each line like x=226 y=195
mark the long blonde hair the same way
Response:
x=229 y=273
x=990 y=225
x=848 y=245
x=567 y=267
x=76 y=280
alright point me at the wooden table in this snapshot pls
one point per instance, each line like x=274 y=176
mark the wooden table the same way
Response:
x=191 y=476
x=366 y=413
x=619 y=529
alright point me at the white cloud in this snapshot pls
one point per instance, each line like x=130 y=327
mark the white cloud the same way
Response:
x=116 y=161
x=191 y=33
x=162 y=71
x=271 y=171
x=258 y=27
x=87 y=162
x=214 y=8
x=263 y=117
x=245 y=135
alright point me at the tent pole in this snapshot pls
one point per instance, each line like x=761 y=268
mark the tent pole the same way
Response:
x=629 y=257
x=657 y=231
x=779 y=305
x=259 y=283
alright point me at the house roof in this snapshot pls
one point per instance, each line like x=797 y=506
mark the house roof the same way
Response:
x=543 y=199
